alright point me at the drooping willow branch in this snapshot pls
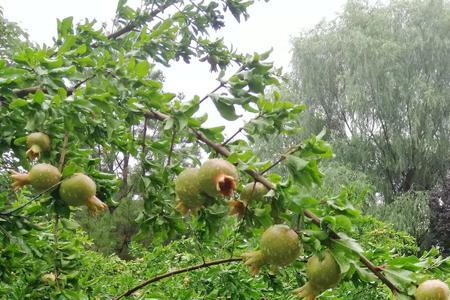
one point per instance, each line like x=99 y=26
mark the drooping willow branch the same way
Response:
x=176 y=272
x=219 y=148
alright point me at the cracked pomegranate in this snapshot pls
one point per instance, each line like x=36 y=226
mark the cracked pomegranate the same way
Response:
x=79 y=190
x=432 y=290
x=323 y=273
x=279 y=246
x=41 y=177
x=218 y=177
x=37 y=142
x=188 y=191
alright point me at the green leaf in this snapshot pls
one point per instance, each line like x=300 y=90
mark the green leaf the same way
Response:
x=349 y=243
x=399 y=277
x=295 y=163
x=20 y=141
x=71 y=168
x=227 y=111
x=70 y=224
x=18 y=103
x=343 y=222
x=365 y=274
x=65 y=26
x=142 y=68
x=39 y=97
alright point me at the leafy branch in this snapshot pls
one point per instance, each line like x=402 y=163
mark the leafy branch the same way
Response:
x=219 y=148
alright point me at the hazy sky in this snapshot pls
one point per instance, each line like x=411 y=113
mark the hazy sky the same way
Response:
x=271 y=25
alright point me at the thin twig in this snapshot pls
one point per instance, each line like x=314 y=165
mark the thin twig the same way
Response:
x=239 y=130
x=282 y=158
x=221 y=85
x=179 y=271
x=81 y=83
x=232 y=136
x=63 y=152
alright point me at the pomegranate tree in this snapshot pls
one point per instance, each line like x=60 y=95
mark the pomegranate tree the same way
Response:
x=433 y=290
x=41 y=177
x=79 y=190
x=188 y=191
x=279 y=246
x=37 y=142
x=323 y=273
x=218 y=177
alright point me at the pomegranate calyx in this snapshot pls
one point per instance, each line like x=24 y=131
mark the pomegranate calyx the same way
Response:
x=20 y=180
x=95 y=205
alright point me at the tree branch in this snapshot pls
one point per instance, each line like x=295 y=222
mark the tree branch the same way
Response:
x=179 y=271
x=258 y=177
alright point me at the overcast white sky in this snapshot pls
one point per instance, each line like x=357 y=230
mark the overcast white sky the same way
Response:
x=271 y=25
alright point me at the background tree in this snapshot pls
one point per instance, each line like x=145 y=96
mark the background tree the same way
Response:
x=377 y=77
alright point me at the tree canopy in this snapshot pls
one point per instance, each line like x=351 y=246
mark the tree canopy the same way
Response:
x=377 y=76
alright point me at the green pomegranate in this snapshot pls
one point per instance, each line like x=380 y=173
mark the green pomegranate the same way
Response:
x=79 y=190
x=188 y=191
x=432 y=290
x=253 y=191
x=279 y=246
x=41 y=177
x=323 y=273
x=217 y=177
x=37 y=142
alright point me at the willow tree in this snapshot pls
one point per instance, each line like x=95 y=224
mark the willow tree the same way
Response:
x=378 y=77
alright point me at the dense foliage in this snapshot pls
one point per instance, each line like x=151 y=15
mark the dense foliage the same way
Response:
x=100 y=98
